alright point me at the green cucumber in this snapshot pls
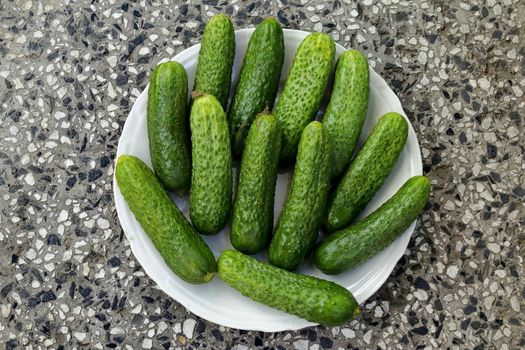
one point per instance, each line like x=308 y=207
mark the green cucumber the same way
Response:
x=311 y=298
x=354 y=245
x=211 y=181
x=214 y=66
x=183 y=250
x=302 y=214
x=258 y=80
x=304 y=89
x=252 y=220
x=367 y=172
x=346 y=111
x=168 y=126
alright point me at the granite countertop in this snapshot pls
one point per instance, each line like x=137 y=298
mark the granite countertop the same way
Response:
x=69 y=74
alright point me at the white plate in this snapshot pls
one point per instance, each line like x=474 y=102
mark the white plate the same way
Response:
x=216 y=301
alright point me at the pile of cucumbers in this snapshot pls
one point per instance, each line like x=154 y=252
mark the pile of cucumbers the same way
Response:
x=192 y=146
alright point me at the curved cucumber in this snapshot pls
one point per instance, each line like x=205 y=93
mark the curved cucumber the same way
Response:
x=214 y=67
x=180 y=246
x=258 y=80
x=354 y=245
x=346 y=111
x=211 y=181
x=368 y=171
x=168 y=126
x=252 y=221
x=304 y=89
x=301 y=217
x=311 y=298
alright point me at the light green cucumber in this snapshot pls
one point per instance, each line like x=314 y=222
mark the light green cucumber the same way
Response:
x=304 y=89
x=354 y=245
x=346 y=111
x=302 y=214
x=367 y=172
x=211 y=181
x=214 y=66
x=308 y=297
x=252 y=220
x=180 y=246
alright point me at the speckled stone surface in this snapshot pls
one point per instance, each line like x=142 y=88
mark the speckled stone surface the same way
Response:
x=69 y=74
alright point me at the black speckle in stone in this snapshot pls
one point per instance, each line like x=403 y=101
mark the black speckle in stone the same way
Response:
x=140 y=77
x=104 y=161
x=462 y=137
x=465 y=96
x=421 y=283
x=122 y=80
x=114 y=261
x=106 y=304
x=497 y=34
x=6 y=290
x=48 y=296
x=436 y=159
x=450 y=132
x=420 y=330
x=101 y=317
x=14 y=259
x=217 y=335
x=84 y=291
x=469 y=309
x=431 y=38
x=11 y=344
x=94 y=174
x=312 y=335
x=492 y=151
x=118 y=339
x=326 y=343
x=401 y=16
x=136 y=42
x=71 y=182
x=465 y=323
x=282 y=18
x=147 y=299
x=136 y=13
x=111 y=345
x=389 y=42
x=201 y=327
x=154 y=318
x=257 y=341
x=32 y=302
x=125 y=6
x=52 y=239
x=518 y=191
x=147 y=26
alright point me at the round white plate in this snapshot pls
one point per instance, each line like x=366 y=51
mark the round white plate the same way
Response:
x=216 y=301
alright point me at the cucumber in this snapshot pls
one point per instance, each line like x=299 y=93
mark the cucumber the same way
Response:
x=304 y=90
x=258 y=80
x=367 y=172
x=180 y=246
x=308 y=297
x=354 y=245
x=211 y=181
x=346 y=111
x=302 y=214
x=168 y=126
x=252 y=220
x=214 y=66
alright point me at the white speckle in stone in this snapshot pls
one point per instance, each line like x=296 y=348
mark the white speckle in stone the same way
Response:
x=63 y=216
x=31 y=254
x=348 y=333
x=500 y=273
x=29 y=179
x=421 y=295
x=5 y=310
x=147 y=343
x=367 y=337
x=301 y=344
x=112 y=60
x=188 y=326
x=103 y=223
x=494 y=247
x=514 y=303
x=452 y=271
x=80 y=336
x=318 y=27
x=484 y=83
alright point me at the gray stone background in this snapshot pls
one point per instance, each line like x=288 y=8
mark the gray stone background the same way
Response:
x=69 y=74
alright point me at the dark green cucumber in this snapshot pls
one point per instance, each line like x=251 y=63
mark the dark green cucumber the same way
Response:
x=304 y=89
x=252 y=220
x=211 y=181
x=367 y=172
x=168 y=126
x=346 y=111
x=311 y=298
x=214 y=67
x=258 y=80
x=354 y=245
x=180 y=246
x=302 y=214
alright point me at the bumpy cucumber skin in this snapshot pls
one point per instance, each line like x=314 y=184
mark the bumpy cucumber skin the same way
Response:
x=367 y=172
x=302 y=214
x=258 y=80
x=183 y=250
x=308 y=297
x=354 y=245
x=346 y=111
x=252 y=219
x=168 y=126
x=211 y=182
x=304 y=90
x=214 y=67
